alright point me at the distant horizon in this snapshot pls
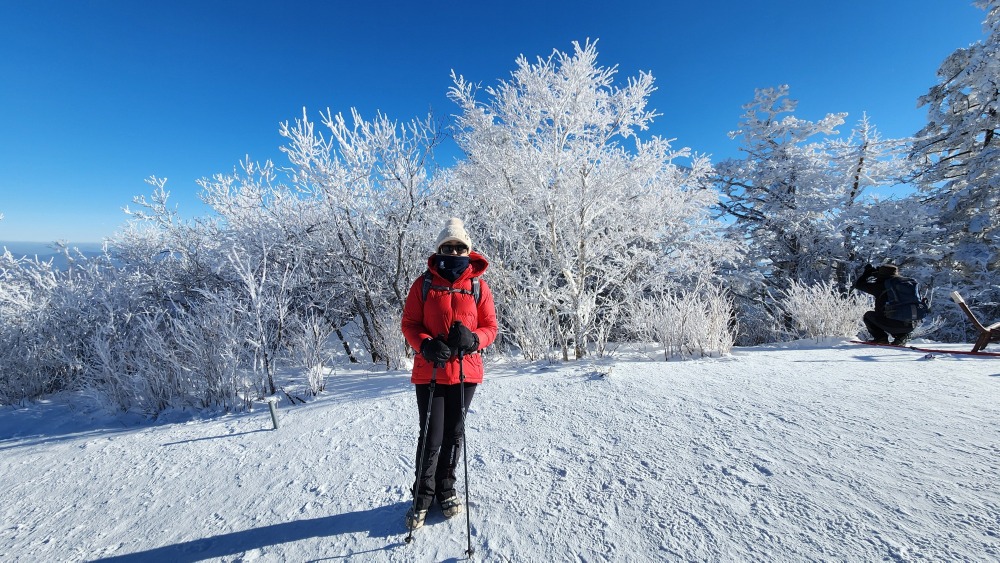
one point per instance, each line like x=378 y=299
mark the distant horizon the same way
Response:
x=104 y=95
x=47 y=244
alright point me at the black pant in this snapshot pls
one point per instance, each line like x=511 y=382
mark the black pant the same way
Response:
x=436 y=473
x=881 y=327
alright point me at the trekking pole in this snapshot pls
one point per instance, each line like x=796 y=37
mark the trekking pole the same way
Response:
x=423 y=446
x=465 y=451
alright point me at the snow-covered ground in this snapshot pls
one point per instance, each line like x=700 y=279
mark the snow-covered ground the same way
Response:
x=803 y=451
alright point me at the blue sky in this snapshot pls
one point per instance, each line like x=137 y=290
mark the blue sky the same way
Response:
x=96 y=96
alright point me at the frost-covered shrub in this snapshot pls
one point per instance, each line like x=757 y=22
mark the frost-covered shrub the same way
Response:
x=530 y=324
x=393 y=346
x=26 y=288
x=819 y=310
x=311 y=348
x=44 y=316
x=692 y=323
x=152 y=361
x=756 y=323
x=116 y=374
x=211 y=350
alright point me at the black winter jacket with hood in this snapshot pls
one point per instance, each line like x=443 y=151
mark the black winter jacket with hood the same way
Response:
x=872 y=282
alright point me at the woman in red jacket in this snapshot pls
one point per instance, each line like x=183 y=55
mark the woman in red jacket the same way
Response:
x=448 y=319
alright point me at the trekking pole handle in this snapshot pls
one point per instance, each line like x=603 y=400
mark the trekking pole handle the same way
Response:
x=460 y=353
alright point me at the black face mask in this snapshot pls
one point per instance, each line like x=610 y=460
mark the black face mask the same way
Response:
x=451 y=267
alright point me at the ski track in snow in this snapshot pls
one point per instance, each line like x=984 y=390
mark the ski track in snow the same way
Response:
x=794 y=453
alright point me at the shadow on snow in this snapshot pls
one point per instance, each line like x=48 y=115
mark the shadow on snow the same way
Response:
x=381 y=522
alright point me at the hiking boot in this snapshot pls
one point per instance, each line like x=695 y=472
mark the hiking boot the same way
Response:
x=451 y=506
x=415 y=519
x=900 y=340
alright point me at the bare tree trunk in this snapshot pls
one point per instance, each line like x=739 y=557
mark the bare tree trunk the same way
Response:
x=347 y=347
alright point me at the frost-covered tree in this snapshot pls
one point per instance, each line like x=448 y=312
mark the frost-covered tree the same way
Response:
x=803 y=201
x=579 y=214
x=203 y=313
x=368 y=183
x=958 y=157
x=864 y=226
x=780 y=194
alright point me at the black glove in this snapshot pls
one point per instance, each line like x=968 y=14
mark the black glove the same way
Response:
x=435 y=351
x=461 y=339
x=863 y=274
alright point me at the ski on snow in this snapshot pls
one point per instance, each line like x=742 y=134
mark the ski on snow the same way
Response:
x=929 y=350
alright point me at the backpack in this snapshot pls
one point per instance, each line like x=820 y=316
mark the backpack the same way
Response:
x=903 y=301
x=429 y=281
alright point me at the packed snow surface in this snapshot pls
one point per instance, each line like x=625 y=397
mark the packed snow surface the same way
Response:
x=801 y=451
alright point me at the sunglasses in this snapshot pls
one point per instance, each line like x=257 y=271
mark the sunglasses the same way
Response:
x=453 y=249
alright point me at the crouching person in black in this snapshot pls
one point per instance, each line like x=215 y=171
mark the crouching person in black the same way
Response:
x=873 y=282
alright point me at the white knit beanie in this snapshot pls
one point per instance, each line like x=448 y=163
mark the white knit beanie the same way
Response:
x=454 y=231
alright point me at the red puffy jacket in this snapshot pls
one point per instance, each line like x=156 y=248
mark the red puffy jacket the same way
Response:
x=434 y=317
